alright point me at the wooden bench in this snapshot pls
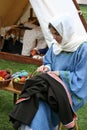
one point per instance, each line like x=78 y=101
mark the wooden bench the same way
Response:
x=13 y=90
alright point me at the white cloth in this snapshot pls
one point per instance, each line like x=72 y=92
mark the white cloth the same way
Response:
x=64 y=25
x=41 y=43
x=29 y=40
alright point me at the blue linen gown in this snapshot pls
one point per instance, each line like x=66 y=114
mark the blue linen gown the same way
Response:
x=72 y=69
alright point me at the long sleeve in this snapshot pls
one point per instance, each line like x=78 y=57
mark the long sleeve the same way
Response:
x=72 y=69
x=76 y=80
x=48 y=59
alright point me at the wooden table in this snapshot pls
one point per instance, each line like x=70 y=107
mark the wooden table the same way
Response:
x=12 y=90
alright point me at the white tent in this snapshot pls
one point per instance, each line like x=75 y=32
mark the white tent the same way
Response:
x=46 y=9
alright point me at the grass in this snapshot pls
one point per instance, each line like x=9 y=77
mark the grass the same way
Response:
x=6 y=98
x=6 y=104
x=15 y=66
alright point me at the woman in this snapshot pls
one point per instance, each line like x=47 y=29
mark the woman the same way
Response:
x=67 y=59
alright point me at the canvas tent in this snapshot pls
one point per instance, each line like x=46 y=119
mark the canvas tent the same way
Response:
x=84 y=2
x=13 y=11
x=46 y=7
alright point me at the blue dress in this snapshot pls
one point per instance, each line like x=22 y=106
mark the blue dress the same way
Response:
x=72 y=69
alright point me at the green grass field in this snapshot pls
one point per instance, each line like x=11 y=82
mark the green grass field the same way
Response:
x=6 y=98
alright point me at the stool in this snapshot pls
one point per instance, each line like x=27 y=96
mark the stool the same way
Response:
x=60 y=126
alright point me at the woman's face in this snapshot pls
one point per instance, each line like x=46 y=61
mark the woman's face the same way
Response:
x=56 y=35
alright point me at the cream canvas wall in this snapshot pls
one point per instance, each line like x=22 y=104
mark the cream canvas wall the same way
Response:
x=82 y=1
x=11 y=10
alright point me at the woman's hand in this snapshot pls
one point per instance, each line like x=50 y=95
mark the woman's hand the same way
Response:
x=42 y=69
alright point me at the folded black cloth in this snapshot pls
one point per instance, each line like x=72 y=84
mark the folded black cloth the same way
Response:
x=41 y=87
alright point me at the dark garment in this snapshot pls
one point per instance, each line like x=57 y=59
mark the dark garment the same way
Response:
x=41 y=87
x=12 y=47
x=43 y=51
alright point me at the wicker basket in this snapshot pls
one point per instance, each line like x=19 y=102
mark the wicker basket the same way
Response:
x=18 y=85
x=4 y=83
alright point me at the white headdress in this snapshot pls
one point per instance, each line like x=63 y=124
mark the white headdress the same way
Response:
x=64 y=25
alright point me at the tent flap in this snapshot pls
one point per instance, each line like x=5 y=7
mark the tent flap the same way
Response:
x=11 y=10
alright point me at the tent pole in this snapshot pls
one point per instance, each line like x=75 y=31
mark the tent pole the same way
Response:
x=80 y=14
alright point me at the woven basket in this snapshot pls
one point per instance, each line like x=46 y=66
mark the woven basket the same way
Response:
x=18 y=85
x=4 y=83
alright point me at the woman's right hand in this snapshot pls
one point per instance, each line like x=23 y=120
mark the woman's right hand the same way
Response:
x=42 y=69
